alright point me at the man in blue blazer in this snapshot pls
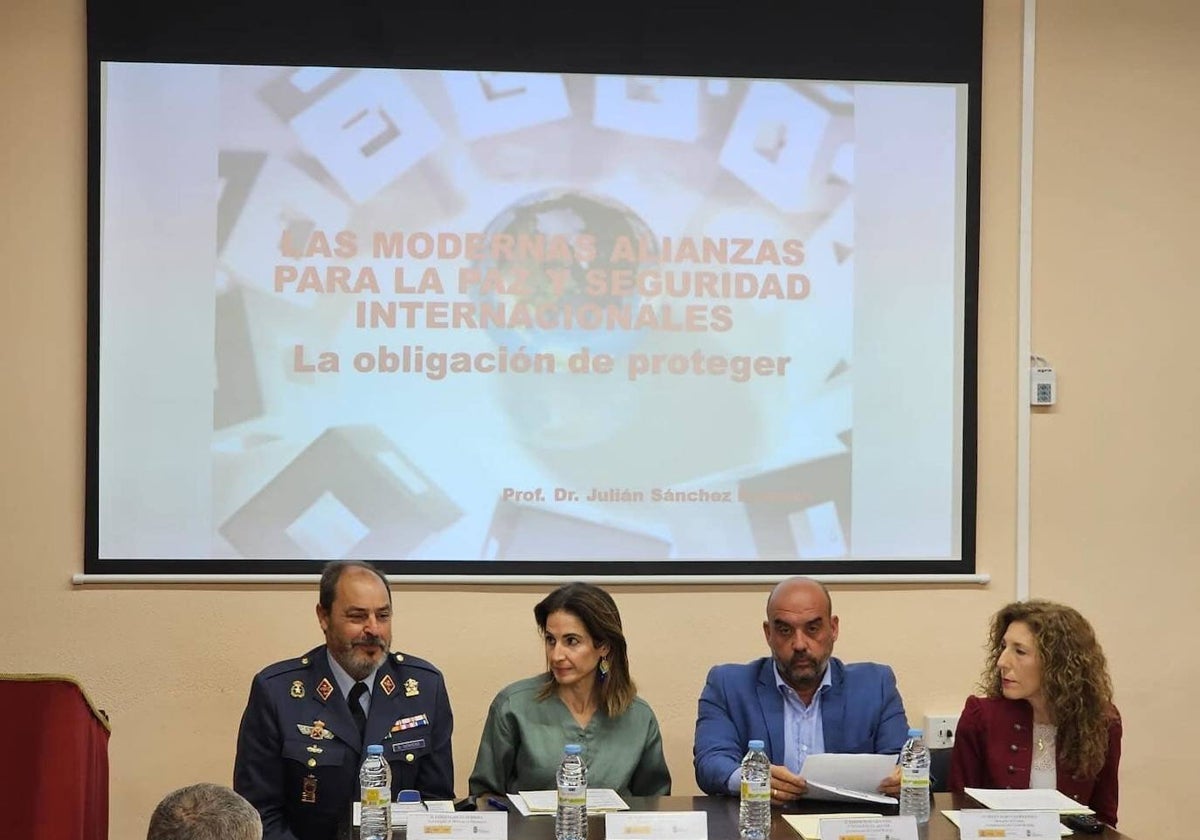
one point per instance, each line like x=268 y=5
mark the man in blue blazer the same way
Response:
x=799 y=701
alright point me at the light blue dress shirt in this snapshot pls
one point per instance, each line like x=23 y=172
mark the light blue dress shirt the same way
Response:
x=803 y=732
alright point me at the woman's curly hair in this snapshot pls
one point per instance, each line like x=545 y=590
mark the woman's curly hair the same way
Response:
x=1075 y=678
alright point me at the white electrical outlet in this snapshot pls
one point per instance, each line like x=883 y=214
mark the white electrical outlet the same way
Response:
x=939 y=731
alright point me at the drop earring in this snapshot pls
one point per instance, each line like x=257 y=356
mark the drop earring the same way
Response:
x=603 y=667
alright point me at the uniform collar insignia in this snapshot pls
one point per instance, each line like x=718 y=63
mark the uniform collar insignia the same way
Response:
x=324 y=688
x=411 y=688
x=297 y=689
x=387 y=684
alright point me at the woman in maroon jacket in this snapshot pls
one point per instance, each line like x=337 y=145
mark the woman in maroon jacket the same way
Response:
x=1046 y=719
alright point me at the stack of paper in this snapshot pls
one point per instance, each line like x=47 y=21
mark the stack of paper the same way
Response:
x=848 y=777
x=1036 y=799
x=532 y=802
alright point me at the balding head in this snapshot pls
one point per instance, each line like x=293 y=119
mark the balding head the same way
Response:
x=785 y=588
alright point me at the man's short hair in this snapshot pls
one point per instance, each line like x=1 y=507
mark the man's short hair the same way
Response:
x=204 y=812
x=332 y=573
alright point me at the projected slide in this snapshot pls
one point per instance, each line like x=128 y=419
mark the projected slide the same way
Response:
x=450 y=316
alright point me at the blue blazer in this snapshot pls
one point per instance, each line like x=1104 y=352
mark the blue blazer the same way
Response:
x=861 y=712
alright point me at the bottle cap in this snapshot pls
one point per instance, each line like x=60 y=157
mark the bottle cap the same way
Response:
x=756 y=744
x=916 y=733
x=375 y=749
x=572 y=749
x=408 y=796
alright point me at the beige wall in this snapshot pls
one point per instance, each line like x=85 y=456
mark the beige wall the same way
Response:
x=1115 y=466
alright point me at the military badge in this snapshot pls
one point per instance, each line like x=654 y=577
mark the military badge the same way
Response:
x=317 y=731
x=410 y=688
x=324 y=689
x=410 y=723
x=308 y=793
x=387 y=684
x=297 y=689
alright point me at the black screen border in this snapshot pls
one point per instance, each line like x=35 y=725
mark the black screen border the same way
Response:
x=853 y=40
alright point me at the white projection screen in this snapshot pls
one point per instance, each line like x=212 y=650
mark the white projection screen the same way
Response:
x=484 y=320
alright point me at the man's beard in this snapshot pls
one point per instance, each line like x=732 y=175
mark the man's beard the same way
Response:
x=811 y=676
x=359 y=659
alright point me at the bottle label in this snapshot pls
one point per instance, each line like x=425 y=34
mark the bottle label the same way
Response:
x=759 y=791
x=919 y=778
x=572 y=795
x=375 y=796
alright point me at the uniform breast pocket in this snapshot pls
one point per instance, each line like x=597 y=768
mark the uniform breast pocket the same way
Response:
x=407 y=751
x=312 y=753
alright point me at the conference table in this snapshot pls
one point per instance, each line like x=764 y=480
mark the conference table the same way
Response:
x=723 y=811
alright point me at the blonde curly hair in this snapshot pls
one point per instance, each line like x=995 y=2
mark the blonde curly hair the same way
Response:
x=1075 y=678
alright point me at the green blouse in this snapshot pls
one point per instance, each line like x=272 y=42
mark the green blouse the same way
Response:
x=523 y=740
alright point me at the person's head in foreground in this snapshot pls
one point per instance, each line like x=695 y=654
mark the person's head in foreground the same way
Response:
x=204 y=812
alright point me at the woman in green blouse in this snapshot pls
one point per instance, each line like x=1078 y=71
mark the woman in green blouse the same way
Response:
x=586 y=697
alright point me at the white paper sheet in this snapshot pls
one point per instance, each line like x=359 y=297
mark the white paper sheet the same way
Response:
x=546 y=801
x=853 y=771
x=808 y=826
x=399 y=812
x=656 y=825
x=465 y=825
x=830 y=793
x=870 y=828
x=953 y=816
x=1036 y=799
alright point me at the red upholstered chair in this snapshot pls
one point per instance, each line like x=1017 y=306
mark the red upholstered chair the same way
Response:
x=54 y=777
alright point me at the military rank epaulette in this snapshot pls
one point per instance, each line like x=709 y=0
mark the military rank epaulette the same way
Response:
x=414 y=662
x=300 y=663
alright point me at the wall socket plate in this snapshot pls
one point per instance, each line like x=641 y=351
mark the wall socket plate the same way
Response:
x=939 y=731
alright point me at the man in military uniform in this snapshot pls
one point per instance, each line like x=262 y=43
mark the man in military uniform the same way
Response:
x=308 y=720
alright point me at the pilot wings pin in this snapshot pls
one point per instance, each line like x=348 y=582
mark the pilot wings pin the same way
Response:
x=317 y=731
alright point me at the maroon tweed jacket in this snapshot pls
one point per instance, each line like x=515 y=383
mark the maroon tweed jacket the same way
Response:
x=993 y=748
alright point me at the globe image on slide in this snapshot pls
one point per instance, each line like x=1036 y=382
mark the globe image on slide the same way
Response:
x=561 y=267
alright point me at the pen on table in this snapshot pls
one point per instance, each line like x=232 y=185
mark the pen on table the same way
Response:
x=497 y=804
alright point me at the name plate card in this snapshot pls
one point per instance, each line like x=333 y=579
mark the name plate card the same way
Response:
x=869 y=828
x=460 y=825
x=983 y=824
x=656 y=825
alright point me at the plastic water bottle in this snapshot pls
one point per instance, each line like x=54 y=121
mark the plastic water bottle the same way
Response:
x=570 y=823
x=914 y=777
x=754 y=810
x=375 y=782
